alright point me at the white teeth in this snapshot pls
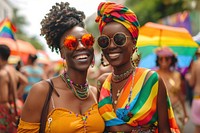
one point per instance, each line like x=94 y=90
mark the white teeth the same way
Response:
x=114 y=55
x=81 y=57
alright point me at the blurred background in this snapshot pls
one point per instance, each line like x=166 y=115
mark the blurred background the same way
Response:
x=25 y=17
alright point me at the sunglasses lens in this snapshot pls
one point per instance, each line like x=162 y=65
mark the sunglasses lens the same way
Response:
x=119 y=39
x=103 y=41
x=164 y=58
x=70 y=42
x=87 y=40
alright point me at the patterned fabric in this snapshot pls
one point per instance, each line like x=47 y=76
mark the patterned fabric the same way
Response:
x=6 y=119
x=141 y=110
x=61 y=120
x=179 y=114
x=110 y=11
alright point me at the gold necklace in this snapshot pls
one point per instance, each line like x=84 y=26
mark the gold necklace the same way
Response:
x=81 y=93
x=118 y=94
x=120 y=77
x=120 y=91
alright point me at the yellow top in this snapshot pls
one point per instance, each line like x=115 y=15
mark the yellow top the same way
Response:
x=61 y=120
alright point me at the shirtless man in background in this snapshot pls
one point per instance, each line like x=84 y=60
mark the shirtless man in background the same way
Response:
x=5 y=94
x=194 y=82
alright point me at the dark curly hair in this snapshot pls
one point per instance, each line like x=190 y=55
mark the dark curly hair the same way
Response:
x=4 y=52
x=60 y=19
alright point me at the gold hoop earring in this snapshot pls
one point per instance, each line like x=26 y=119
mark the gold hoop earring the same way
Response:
x=102 y=61
x=135 y=58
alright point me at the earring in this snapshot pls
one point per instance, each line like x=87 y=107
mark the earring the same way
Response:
x=93 y=62
x=135 y=58
x=102 y=61
x=64 y=66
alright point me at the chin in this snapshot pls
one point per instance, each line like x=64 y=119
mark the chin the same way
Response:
x=83 y=67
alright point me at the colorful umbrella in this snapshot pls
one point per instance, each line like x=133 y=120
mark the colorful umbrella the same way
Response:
x=19 y=47
x=154 y=35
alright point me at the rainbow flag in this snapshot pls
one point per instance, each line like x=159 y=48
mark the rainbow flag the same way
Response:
x=7 y=29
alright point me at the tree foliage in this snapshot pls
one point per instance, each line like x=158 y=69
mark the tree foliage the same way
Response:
x=154 y=10
x=20 y=22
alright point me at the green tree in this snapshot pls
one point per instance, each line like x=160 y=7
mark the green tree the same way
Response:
x=20 y=21
x=156 y=9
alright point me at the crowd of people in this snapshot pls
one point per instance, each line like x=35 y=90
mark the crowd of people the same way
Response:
x=120 y=97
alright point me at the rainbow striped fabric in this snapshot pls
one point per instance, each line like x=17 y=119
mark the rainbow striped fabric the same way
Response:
x=141 y=109
x=7 y=29
x=110 y=11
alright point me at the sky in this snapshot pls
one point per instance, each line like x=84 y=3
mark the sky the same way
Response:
x=35 y=10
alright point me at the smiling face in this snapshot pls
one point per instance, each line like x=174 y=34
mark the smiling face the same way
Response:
x=118 y=56
x=80 y=58
x=165 y=62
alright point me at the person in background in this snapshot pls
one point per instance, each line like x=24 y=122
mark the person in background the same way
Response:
x=73 y=104
x=166 y=61
x=33 y=72
x=9 y=77
x=194 y=82
x=132 y=99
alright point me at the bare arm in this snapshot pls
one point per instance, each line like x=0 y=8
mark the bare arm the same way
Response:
x=34 y=103
x=181 y=97
x=23 y=81
x=192 y=79
x=163 y=124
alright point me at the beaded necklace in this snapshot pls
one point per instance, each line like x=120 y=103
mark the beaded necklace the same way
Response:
x=119 y=92
x=120 y=77
x=80 y=91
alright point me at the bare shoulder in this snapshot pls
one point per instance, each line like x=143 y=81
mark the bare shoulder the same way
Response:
x=35 y=101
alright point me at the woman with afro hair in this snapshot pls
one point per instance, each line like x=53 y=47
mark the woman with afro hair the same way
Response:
x=65 y=103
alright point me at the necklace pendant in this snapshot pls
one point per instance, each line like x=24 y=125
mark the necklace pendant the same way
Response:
x=127 y=107
x=118 y=94
x=84 y=118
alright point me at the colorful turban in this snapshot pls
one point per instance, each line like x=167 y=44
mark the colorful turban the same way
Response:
x=110 y=11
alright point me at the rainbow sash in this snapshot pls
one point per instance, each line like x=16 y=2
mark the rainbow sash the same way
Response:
x=141 y=108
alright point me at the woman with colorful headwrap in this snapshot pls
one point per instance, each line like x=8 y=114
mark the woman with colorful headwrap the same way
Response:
x=131 y=99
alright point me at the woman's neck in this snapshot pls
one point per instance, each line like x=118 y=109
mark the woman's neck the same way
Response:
x=121 y=69
x=165 y=70
x=77 y=76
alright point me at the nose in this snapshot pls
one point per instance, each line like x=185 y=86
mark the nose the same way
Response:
x=80 y=44
x=112 y=43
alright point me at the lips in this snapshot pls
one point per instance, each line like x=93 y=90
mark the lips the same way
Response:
x=114 y=55
x=82 y=57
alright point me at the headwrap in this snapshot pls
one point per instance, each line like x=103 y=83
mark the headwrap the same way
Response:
x=110 y=11
x=164 y=51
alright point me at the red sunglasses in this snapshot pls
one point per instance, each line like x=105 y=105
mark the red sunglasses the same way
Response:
x=71 y=42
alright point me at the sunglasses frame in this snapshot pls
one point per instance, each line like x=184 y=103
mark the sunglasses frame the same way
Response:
x=112 y=38
x=78 y=40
